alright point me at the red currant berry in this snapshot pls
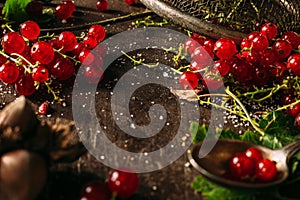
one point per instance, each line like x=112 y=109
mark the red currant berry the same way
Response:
x=211 y=82
x=202 y=56
x=200 y=39
x=95 y=190
x=34 y=9
x=43 y=52
x=25 y=85
x=86 y=57
x=251 y=57
x=241 y=70
x=277 y=69
x=194 y=66
x=65 y=10
x=43 y=108
x=98 y=32
x=209 y=45
x=293 y=38
x=40 y=74
x=2 y=59
x=293 y=63
x=223 y=66
x=93 y=73
x=270 y=30
x=254 y=153
x=62 y=68
x=241 y=166
x=122 y=183
x=261 y=76
x=9 y=73
x=252 y=35
x=267 y=57
x=293 y=110
x=130 y=2
x=30 y=30
x=265 y=170
x=259 y=42
x=188 y=80
x=67 y=40
x=225 y=48
x=297 y=121
x=78 y=48
x=102 y=5
x=190 y=45
x=13 y=42
x=245 y=44
x=90 y=42
x=282 y=48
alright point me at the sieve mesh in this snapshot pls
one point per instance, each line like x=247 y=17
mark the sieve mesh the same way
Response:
x=238 y=15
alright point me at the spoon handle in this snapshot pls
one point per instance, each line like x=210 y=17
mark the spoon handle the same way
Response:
x=291 y=148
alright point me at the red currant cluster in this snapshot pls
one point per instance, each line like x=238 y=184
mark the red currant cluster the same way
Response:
x=121 y=184
x=258 y=60
x=29 y=59
x=251 y=166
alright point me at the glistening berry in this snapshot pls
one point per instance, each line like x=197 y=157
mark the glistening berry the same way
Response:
x=42 y=52
x=30 y=30
x=9 y=73
x=13 y=42
x=188 y=80
x=123 y=183
x=102 y=5
x=225 y=48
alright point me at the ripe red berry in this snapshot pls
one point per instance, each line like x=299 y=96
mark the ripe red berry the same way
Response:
x=297 y=121
x=42 y=51
x=202 y=56
x=223 y=66
x=34 y=9
x=62 y=68
x=188 y=80
x=254 y=153
x=30 y=30
x=241 y=166
x=245 y=44
x=9 y=73
x=95 y=190
x=241 y=70
x=267 y=57
x=98 y=32
x=86 y=57
x=261 y=76
x=40 y=74
x=90 y=42
x=94 y=73
x=43 y=108
x=102 y=5
x=194 y=66
x=225 y=48
x=209 y=45
x=251 y=57
x=122 y=183
x=13 y=42
x=190 y=45
x=293 y=63
x=67 y=40
x=282 y=48
x=293 y=110
x=293 y=38
x=65 y=10
x=270 y=30
x=130 y=2
x=259 y=42
x=25 y=85
x=265 y=170
x=211 y=82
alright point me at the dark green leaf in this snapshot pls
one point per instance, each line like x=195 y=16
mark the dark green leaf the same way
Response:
x=250 y=137
x=14 y=10
x=198 y=132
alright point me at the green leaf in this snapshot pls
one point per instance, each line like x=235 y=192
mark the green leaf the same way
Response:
x=198 y=132
x=228 y=134
x=250 y=137
x=211 y=191
x=14 y=10
x=271 y=142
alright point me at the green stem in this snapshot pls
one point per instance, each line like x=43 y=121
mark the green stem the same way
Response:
x=253 y=123
x=140 y=61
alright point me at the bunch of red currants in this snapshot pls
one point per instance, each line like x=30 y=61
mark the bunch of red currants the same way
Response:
x=28 y=60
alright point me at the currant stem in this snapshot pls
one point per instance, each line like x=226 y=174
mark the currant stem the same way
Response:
x=50 y=90
x=254 y=124
x=140 y=61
